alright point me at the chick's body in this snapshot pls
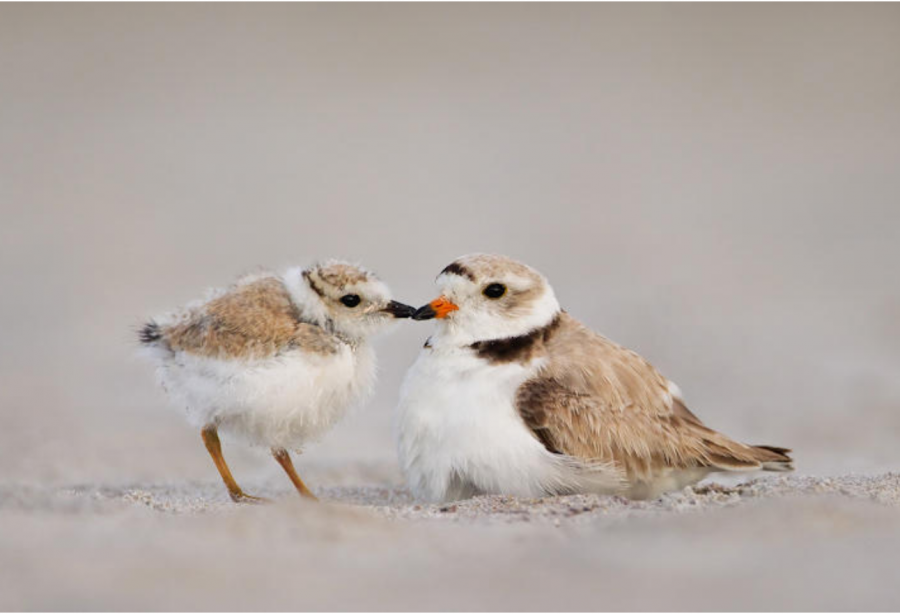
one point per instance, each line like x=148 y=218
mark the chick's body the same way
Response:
x=274 y=360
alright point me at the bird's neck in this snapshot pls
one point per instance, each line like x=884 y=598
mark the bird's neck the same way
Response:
x=306 y=299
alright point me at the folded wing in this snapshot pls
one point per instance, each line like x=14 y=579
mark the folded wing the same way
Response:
x=598 y=401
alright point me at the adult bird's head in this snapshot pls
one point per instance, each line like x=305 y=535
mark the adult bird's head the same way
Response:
x=485 y=297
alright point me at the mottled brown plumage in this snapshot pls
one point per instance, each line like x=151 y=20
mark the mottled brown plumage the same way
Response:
x=256 y=319
x=341 y=275
x=595 y=400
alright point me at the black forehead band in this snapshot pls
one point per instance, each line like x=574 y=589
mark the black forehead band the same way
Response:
x=457 y=269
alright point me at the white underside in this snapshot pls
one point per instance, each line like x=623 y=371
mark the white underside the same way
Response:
x=284 y=401
x=459 y=434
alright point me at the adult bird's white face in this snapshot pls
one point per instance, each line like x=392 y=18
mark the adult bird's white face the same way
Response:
x=485 y=297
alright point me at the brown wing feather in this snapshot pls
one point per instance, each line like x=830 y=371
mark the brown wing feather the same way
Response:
x=597 y=400
x=251 y=320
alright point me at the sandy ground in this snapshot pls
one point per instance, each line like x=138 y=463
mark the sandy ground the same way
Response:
x=767 y=543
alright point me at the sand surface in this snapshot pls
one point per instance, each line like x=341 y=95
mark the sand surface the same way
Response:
x=767 y=543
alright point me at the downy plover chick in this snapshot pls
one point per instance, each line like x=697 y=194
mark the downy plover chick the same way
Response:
x=512 y=395
x=274 y=360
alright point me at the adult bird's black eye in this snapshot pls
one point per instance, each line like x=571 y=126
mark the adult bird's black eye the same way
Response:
x=495 y=291
x=350 y=300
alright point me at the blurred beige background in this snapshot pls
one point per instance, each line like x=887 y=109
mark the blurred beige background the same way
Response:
x=715 y=186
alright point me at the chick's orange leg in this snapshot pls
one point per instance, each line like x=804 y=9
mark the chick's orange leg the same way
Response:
x=214 y=447
x=284 y=459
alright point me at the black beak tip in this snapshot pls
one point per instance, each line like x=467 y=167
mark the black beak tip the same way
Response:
x=399 y=310
x=425 y=312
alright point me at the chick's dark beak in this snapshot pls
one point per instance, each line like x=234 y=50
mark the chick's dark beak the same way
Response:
x=425 y=312
x=399 y=310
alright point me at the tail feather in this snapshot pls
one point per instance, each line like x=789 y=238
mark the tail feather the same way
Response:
x=774 y=458
x=150 y=333
x=721 y=453
x=727 y=455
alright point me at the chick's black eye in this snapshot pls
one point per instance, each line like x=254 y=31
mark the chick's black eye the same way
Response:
x=495 y=291
x=350 y=300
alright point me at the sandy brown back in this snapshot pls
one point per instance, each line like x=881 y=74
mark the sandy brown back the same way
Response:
x=596 y=400
x=252 y=320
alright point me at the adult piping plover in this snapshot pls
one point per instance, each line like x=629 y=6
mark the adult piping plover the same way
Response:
x=274 y=360
x=512 y=395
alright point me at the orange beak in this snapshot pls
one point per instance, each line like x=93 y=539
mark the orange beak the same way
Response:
x=438 y=308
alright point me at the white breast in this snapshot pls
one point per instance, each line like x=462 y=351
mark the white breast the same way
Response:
x=283 y=401
x=459 y=433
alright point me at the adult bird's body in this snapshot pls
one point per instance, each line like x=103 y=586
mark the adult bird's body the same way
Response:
x=274 y=360
x=512 y=395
